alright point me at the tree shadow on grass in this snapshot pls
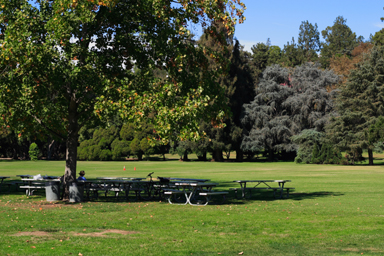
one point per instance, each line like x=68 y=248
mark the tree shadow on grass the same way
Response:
x=312 y=195
x=268 y=196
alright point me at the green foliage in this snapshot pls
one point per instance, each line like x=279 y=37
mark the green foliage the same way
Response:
x=120 y=148
x=315 y=154
x=327 y=155
x=339 y=41
x=146 y=147
x=112 y=143
x=309 y=40
x=65 y=64
x=135 y=148
x=378 y=38
x=359 y=105
x=307 y=141
x=34 y=151
x=286 y=104
x=292 y=55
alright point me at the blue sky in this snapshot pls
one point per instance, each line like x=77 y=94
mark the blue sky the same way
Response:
x=280 y=20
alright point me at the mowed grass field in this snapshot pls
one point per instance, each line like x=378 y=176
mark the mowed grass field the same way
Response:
x=334 y=210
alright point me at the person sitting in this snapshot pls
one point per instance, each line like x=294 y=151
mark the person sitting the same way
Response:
x=81 y=177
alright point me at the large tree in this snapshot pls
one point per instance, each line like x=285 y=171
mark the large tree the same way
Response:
x=360 y=104
x=287 y=103
x=309 y=40
x=339 y=40
x=68 y=63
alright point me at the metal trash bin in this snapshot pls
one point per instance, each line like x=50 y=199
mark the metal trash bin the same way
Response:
x=52 y=190
x=76 y=191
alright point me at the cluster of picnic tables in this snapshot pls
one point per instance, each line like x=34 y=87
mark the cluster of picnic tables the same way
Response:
x=175 y=190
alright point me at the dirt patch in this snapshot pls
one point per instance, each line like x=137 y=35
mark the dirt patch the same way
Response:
x=93 y=234
x=33 y=233
x=103 y=233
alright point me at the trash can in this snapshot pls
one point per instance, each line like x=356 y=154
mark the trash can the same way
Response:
x=52 y=190
x=76 y=192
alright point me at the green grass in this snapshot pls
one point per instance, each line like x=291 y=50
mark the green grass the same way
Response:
x=334 y=210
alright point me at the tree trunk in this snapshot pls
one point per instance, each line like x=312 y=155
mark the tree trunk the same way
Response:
x=370 y=156
x=71 y=150
x=270 y=155
x=203 y=157
x=51 y=147
x=239 y=155
x=217 y=155
x=185 y=157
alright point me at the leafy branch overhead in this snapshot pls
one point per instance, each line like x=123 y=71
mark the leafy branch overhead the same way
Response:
x=67 y=63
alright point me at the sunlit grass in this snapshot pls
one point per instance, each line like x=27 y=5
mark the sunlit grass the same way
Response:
x=334 y=210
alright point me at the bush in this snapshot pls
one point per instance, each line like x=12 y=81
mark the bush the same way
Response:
x=34 y=151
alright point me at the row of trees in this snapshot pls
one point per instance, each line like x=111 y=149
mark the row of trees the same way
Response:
x=210 y=93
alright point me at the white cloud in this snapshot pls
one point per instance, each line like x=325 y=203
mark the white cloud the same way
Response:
x=379 y=24
x=248 y=44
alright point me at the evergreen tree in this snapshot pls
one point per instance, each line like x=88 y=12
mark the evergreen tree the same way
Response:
x=239 y=89
x=292 y=55
x=339 y=40
x=360 y=103
x=378 y=38
x=309 y=40
x=307 y=141
x=285 y=104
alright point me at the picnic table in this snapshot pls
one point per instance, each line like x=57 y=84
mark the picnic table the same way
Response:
x=189 y=193
x=2 y=178
x=263 y=185
x=120 y=178
x=31 y=184
x=188 y=179
x=111 y=184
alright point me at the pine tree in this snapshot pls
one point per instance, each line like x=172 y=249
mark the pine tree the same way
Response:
x=360 y=103
x=285 y=104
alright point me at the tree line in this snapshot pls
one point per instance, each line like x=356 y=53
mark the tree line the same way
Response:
x=307 y=102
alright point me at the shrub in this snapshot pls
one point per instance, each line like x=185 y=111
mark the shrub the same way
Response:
x=34 y=151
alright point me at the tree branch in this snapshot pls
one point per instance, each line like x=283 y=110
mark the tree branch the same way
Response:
x=47 y=128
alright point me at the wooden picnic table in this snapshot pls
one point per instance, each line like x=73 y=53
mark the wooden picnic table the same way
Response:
x=191 y=191
x=263 y=185
x=2 y=178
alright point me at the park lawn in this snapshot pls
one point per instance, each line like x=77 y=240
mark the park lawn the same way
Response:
x=334 y=210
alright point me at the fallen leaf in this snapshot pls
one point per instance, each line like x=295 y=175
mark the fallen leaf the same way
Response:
x=241 y=253
x=33 y=246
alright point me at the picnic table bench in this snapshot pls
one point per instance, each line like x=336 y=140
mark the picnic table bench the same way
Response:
x=278 y=192
x=188 y=193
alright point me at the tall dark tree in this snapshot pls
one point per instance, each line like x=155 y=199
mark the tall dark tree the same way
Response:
x=239 y=89
x=378 y=38
x=261 y=56
x=339 y=40
x=360 y=103
x=292 y=55
x=309 y=40
x=285 y=104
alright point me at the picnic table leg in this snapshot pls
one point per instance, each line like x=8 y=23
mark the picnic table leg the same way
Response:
x=243 y=187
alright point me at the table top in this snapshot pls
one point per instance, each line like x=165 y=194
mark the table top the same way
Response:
x=28 y=177
x=24 y=176
x=119 y=178
x=244 y=181
x=4 y=177
x=189 y=179
x=195 y=184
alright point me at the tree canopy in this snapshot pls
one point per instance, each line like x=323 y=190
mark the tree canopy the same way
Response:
x=67 y=63
x=339 y=40
x=359 y=104
x=286 y=103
